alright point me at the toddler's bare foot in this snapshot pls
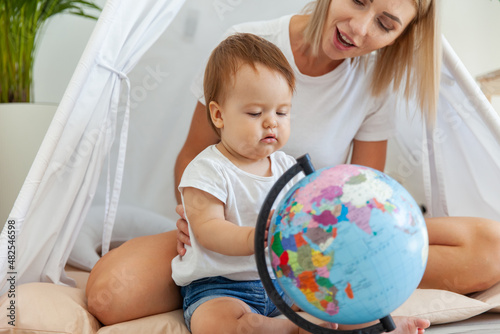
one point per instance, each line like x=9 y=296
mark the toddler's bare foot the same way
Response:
x=404 y=325
x=410 y=325
x=323 y=324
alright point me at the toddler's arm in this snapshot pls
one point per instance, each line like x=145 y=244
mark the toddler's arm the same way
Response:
x=210 y=227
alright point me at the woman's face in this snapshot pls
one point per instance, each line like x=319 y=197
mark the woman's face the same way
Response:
x=358 y=27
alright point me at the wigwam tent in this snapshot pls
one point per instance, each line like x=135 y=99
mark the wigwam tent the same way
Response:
x=111 y=147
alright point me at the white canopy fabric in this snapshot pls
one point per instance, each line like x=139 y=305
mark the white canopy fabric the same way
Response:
x=466 y=144
x=452 y=167
x=82 y=158
x=61 y=184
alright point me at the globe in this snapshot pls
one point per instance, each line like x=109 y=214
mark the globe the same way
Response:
x=348 y=244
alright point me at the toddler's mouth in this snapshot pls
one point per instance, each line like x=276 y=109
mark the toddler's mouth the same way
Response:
x=269 y=138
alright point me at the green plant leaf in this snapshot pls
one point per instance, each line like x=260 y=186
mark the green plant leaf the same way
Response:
x=20 y=23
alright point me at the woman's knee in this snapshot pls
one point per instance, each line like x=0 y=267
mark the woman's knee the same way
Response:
x=489 y=244
x=484 y=251
x=134 y=280
x=471 y=246
x=121 y=295
x=110 y=286
x=103 y=302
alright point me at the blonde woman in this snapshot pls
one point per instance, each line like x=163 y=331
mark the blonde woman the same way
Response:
x=344 y=98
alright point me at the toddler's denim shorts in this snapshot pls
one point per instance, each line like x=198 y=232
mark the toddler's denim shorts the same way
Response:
x=250 y=292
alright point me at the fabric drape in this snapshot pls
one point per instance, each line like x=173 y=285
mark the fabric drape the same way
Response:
x=61 y=184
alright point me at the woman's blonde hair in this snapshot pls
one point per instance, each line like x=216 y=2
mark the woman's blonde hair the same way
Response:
x=413 y=60
x=230 y=54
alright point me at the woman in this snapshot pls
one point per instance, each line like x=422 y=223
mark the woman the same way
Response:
x=343 y=98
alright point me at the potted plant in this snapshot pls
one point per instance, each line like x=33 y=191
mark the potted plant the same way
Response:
x=20 y=24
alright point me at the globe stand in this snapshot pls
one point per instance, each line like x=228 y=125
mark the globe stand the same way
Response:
x=303 y=164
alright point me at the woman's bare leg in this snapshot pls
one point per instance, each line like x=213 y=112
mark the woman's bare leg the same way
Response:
x=134 y=280
x=464 y=254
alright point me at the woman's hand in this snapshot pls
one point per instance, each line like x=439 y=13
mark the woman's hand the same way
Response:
x=182 y=231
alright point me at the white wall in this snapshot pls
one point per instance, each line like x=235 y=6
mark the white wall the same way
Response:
x=62 y=43
x=471 y=26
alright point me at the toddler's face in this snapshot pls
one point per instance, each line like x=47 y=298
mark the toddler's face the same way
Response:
x=255 y=115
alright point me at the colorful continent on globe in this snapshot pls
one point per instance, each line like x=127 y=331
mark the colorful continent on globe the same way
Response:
x=300 y=245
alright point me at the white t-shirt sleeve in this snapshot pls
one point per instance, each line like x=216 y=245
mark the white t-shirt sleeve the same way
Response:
x=205 y=174
x=379 y=124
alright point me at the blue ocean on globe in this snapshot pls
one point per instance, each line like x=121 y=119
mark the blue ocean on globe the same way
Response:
x=348 y=244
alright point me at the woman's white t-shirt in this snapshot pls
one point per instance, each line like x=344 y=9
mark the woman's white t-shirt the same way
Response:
x=328 y=111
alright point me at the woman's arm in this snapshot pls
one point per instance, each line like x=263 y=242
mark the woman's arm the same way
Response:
x=369 y=153
x=211 y=229
x=199 y=137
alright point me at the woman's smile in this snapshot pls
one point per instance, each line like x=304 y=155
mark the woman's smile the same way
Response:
x=344 y=40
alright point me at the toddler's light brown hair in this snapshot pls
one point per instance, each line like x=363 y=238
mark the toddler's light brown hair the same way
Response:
x=233 y=52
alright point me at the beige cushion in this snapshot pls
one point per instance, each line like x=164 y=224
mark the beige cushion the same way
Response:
x=80 y=276
x=490 y=296
x=47 y=307
x=440 y=306
x=171 y=322
x=26 y=331
x=50 y=307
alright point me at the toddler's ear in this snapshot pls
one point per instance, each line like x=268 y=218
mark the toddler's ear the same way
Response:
x=216 y=114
